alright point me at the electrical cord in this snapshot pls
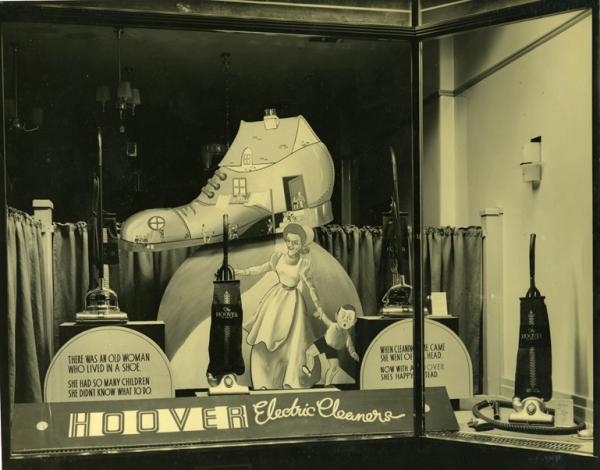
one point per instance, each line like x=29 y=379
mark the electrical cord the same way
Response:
x=526 y=428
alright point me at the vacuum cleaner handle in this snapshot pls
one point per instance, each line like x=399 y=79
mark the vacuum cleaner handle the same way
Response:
x=225 y=272
x=396 y=196
x=225 y=240
x=533 y=291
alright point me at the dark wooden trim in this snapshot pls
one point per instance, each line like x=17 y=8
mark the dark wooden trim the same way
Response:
x=498 y=17
x=417 y=279
x=4 y=340
x=100 y=16
x=44 y=13
x=596 y=215
x=73 y=14
x=61 y=13
x=66 y=14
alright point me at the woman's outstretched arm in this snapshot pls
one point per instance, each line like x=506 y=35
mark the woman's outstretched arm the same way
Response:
x=259 y=269
x=306 y=276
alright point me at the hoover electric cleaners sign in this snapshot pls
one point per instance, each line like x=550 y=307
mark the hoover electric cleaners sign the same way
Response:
x=118 y=424
x=161 y=420
x=172 y=420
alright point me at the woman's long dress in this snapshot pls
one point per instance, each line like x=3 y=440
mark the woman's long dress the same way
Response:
x=279 y=332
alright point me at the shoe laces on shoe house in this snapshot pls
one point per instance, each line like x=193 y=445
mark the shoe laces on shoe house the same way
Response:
x=211 y=182
x=205 y=190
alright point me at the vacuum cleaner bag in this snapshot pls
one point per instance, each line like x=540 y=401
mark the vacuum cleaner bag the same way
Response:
x=225 y=342
x=225 y=345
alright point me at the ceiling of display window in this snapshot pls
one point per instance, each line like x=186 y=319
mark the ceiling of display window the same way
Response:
x=374 y=12
x=434 y=11
x=160 y=54
x=355 y=94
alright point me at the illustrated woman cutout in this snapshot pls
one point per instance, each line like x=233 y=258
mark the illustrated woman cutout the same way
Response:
x=280 y=332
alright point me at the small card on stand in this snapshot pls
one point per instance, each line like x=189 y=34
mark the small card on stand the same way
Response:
x=563 y=412
x=439 y=305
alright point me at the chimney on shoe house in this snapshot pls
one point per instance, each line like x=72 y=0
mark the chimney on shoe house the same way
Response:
x=271 y=119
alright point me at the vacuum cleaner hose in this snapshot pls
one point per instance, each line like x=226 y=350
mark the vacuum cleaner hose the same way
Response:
x=527 y=428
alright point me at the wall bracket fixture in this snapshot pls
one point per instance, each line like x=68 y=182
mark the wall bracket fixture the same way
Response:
x=531 y=162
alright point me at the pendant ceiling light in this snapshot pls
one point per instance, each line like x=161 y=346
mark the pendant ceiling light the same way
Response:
x=127 y=97
x=37 y=114
x=226 y=62
x=211 y=151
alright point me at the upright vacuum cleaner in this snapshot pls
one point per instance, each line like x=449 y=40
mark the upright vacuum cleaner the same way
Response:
x=225 y=344
x=533 y=377
x=397 y=301
x=101 y=302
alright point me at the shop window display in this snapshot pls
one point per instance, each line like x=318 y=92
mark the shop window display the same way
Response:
x=248 y=294
x=528 y=355
x=195 y=282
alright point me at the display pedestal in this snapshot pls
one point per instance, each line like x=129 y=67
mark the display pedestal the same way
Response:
x=155 y=330
x=368 y=327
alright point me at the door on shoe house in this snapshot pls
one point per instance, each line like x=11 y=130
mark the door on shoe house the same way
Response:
x=295 y=194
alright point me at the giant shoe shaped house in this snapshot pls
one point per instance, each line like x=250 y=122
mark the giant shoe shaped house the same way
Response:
x=273 y=167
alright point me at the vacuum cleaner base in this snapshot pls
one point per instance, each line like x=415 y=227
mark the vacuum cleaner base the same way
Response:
x=228 y=386
x=531 y=411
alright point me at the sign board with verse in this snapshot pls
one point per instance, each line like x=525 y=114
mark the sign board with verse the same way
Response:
x=293 y=414
x=388 y=361
x=108 y=363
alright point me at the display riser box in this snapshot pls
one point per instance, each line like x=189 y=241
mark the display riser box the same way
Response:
x=155 y=330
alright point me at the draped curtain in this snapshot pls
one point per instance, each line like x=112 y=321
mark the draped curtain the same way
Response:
x=140 y=283
x=71 y=272
x=359 y=251
x=143 y=278
x=139 y=280
x=29 y=352
x=453 y=263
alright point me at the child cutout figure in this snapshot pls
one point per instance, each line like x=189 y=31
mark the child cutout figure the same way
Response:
x=331 y=343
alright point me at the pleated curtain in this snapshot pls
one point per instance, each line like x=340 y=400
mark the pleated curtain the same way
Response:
x=140 y=283
x=139 y=280
x=359 y=251
x=143 y=278
x=453 y=263
x=71 y=272
x=28 y=343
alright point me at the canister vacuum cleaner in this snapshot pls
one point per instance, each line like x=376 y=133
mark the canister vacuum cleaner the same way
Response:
x=533 y=377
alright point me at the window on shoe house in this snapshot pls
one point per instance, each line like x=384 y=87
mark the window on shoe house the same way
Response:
x=303 y=283
x=239 y=187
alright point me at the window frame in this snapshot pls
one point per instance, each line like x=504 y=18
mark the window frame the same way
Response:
x=72 y=13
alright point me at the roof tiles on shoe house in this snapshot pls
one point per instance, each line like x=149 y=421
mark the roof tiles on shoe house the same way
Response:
x=269 y=145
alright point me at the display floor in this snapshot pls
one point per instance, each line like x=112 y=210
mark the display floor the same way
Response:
x=562 y=443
